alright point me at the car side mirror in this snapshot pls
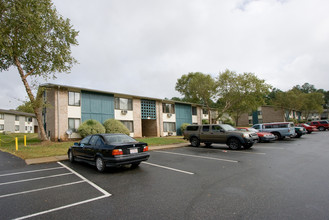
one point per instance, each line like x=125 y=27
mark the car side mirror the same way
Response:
x=76 y=144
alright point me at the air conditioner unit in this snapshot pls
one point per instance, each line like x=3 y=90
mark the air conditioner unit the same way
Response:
x=124 y=112
x=170 y=133
x=169 y=115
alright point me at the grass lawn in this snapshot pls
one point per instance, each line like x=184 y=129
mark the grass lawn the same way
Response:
x=36 y=149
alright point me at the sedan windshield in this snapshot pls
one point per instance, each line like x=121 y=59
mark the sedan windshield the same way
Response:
x=228 y=127
x=118 y=139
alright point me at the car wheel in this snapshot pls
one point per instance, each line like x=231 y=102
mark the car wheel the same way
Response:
x=234 y=144
x=208 y=144
x=298 y=135
x=100 y=165
x=321 y=128
x=71 y=157
x=277 y=135
x=195 y=142
x=135 y=165
x=247 y=146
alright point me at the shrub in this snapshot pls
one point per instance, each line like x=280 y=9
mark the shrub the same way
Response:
x=115 y=126
x=183 y=127
x=90 y=127
x=229 y=121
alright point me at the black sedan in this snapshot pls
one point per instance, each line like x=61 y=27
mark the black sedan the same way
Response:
x=109 y=150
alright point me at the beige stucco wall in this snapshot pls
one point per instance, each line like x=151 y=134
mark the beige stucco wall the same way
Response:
x=137 y=117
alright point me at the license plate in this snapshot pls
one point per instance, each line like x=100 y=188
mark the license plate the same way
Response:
x=134 y=151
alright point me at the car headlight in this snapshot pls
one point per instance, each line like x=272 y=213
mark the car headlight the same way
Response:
x=246 y=135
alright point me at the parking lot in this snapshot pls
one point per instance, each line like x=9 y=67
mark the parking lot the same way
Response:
x=279 y=180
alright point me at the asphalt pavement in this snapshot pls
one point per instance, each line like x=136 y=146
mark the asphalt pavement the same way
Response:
x=279 y=180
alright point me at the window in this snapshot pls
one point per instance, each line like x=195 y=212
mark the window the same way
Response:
x=74 y=98
x=85 y=140
x=169 y=126
x=192 y=128
x=194 y=111
x=16 y=118
x=129 y=125
x=16 y=127
x=123 y=104
x=259 y=112
x=216 y=128
x=28 y=119
x=205 y=111
x=2 y=127
x=205 y=128
x=168 y=108
x=2 y=116
x=93 y=140
x=74 y=124
x=250 y=122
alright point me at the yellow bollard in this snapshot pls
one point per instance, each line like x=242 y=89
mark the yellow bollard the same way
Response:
x=16 y=140
x=24 y=140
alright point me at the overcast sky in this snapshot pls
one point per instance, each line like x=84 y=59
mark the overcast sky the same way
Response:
x=142 y=47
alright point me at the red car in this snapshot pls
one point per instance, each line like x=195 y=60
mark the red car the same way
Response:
x=320 y=125
x=263 y=136
x=309 y=128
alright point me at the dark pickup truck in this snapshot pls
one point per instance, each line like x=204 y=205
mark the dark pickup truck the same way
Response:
x=221 y=134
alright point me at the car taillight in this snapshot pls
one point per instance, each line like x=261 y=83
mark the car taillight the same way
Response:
x=117 y=152
x=146 y=148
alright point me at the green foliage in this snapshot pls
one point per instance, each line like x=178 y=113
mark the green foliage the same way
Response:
x=183 y=127
x=228 y=121
x=32 y=32
x=205 y=121
x=90 y=127
x=115 y=126
x=197 y=88
x=26 y=107
x=240 y=93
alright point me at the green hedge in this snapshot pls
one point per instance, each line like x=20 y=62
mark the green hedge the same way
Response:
x=90 y=127
x=115 y=126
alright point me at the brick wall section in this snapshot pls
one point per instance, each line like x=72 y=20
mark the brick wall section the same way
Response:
x=270 y=114
x=160 y=119
x=137 y=118
x=243 y=120
x=52 y=115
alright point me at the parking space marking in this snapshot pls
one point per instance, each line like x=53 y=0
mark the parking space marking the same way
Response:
x=83 y=180
x=203 y=157
x=38 y=178
x=31 y=171
x=279 y=148
x=36 y=190
x=168 y=168
x=243 y=152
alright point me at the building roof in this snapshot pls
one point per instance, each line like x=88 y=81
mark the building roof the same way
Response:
x=51 y=85
x=13 y=112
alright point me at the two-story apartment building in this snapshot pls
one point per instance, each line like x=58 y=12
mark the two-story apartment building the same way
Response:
x=17 y=122
x=69 y=106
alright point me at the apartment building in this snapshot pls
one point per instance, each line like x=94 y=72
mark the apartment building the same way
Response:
x=69 y=106
x=17 y=122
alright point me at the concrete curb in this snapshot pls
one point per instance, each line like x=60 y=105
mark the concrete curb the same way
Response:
x=64 y=157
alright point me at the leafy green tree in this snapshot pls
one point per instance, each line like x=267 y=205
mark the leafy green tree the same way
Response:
x=37 y=41
x=198 y=88
x=305 y=88
x=290 y=100
x=312 y=102
x=240 y=93
x=25 y=107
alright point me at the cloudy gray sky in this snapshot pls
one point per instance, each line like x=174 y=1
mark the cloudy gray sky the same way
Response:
x=142 y=47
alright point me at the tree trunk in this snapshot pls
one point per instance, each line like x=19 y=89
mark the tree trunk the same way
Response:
x=209 y=115
x=32 y=99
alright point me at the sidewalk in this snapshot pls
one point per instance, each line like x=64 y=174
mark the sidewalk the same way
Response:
x=64 y=157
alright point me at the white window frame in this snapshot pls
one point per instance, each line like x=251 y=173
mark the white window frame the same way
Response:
x=74 y=98
x=167 y=128
x=76 y=122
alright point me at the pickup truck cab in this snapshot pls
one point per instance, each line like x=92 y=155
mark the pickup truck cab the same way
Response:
x=279 y=129
x=221 y=134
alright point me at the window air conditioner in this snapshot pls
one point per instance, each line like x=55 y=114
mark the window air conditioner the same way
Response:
x=169 y=115
x=124 y=112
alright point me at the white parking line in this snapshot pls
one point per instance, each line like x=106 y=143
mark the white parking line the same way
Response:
x=105 y=195
x=279 y=148
x=36 y=190
x=38 y=178
x=188 y=155
x=243 y=152
x=32 y=171
x=168 y=168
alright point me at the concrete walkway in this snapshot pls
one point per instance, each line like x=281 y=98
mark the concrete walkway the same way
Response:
x=64 y=157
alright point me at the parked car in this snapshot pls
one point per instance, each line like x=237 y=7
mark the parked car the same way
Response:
x=222 y=134
x=263 y=136
x=321 y=125
x=300 y=131
x=109 y=150
x=309 y=128
x=279 y=129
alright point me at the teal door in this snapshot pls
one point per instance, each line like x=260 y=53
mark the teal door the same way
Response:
x=96 y=106
x=183 y=115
